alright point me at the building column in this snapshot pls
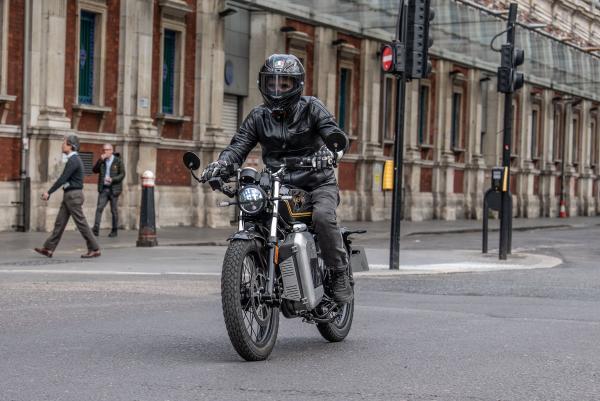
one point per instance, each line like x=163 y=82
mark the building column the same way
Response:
x=47 y=118
x=530 y=203
x=370 y=165
x=475 y=166
x=49 y=26
x=585 y=187
x=443 y=172
x=549 y=204
x=570 y=170
x=134 y=119
x=325 y=71
x=209 y=93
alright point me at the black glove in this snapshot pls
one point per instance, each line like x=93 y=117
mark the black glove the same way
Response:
x=323 y=159
x=214 y=169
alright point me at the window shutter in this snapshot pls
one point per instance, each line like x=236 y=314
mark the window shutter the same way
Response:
x=87 y=24
x=168 y=87
x=230 y=115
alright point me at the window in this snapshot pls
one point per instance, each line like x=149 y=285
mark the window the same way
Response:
x=88 y=162
x=423 y=114
x=168 y=79
x=172 y=62
x=484 y=89
x=535 y=134
x=345 y=99
x=87 y=39
x=456 y=124
x=575 y=142
x=389 y=107
x=91 y=28
x=593 y=142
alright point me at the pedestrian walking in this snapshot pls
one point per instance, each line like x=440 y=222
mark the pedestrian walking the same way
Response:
x=71 y=180
x=111 y=173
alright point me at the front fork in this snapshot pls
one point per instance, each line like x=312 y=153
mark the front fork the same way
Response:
x=273 y=237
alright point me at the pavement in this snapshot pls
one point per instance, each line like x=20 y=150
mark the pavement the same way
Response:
x=376 y=232
x=16 y=247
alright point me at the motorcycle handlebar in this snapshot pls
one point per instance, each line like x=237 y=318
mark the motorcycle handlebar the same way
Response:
x=298 y=162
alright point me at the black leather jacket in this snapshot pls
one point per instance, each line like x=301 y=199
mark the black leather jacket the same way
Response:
x=300 y=135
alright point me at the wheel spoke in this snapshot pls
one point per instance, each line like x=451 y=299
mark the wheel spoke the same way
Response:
x=252 y=283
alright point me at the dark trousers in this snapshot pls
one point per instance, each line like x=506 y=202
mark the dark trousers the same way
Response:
x=103 y=198
x=71 y=206
x=325 y=200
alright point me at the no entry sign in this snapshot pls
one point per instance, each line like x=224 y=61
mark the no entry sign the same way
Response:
x=387 y=58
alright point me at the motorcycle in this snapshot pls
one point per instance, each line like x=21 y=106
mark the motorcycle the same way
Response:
x=273 y=262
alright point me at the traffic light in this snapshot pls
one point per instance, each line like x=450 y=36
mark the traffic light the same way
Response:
x=509 y=79
x=418 y=41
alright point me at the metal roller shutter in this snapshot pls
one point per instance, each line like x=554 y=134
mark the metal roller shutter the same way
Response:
x=230 y=114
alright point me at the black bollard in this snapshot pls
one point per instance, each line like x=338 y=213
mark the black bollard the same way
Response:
x=147 y=232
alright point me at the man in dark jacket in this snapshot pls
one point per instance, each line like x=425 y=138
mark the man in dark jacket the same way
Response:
x=290 y=125
x=71 y=180
x=110 y=177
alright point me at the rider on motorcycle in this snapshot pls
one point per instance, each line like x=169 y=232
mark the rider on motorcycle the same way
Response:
x=291 y=125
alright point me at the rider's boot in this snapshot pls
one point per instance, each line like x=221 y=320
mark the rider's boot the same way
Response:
x=342 y=290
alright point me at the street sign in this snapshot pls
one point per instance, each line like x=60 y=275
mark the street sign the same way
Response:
x=387 y=58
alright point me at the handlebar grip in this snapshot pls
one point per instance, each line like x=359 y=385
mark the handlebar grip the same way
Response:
x=297 y=162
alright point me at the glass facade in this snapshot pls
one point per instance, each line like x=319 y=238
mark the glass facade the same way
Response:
x=461 y=33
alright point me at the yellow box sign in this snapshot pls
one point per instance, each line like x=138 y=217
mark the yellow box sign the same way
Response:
x=388 y=175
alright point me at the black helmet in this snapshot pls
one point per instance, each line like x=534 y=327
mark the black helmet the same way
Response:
x=280 y=81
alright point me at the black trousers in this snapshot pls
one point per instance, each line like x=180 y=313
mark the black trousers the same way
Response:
x=325 y=200
x=103 y=198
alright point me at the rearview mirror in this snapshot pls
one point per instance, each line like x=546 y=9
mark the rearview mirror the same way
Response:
x=336 y=141
x=191 y=161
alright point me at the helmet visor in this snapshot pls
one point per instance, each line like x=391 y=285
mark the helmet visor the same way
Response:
x=278 y=85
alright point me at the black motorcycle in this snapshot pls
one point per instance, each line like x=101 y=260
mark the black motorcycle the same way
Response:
x=273 y=262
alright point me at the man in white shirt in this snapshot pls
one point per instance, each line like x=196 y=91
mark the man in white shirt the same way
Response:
x=111 y=174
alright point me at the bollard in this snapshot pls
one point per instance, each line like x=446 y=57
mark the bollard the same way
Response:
x=147 y=232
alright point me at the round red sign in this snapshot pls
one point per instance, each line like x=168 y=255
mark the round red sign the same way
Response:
x=387 y=59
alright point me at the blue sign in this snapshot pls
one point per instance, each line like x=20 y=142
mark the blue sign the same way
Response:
x=228 y=72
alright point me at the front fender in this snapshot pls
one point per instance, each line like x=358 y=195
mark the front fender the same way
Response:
x=246 y=235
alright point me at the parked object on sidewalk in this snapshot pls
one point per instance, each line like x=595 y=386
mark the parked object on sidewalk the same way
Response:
x=111 y=173
x=492 y=200
x=563 y=209
x=147 y=231
x=71 y=180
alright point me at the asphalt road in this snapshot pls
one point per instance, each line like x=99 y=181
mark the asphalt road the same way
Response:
x=106 y=335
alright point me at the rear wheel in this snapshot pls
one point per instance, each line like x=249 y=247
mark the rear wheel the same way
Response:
x=251 y=323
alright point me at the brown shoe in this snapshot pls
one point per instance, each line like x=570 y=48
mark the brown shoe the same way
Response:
x=43 y=251
x=91 y=254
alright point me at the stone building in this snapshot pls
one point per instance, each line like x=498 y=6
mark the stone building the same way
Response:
x=159 y=77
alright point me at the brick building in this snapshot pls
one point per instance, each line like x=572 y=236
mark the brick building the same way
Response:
x=159 y=77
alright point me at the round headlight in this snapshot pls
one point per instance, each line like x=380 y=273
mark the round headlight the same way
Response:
x=252 y=199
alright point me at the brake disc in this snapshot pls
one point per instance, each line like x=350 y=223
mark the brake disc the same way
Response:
x=261 y=311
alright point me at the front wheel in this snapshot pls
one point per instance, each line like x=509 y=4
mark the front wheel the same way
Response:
x=251 y=323
x=339 y=328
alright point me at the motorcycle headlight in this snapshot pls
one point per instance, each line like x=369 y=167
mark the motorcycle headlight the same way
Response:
x=252 y=199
